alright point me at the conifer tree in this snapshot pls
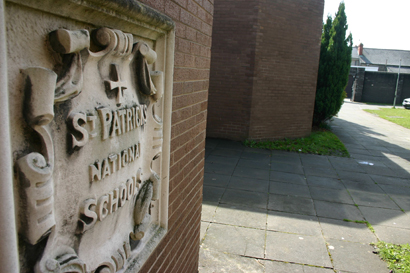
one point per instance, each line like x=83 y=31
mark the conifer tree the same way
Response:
x=334 y=66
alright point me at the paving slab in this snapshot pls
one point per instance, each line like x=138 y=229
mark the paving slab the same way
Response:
x=212 y=195
x=208 y=211
x=222 y=159
x=355 y=176
x=283 y=267
x=331 y=195
x=292 y=204
x=309 y=160
x=392 y=235
x=312 y=269
x=337 y=211
x=226 y=152
x=219 y=168
x=346 y=231
x=296 y=248
x=368 y=187
x=288 y=177
x=289 y=189
x=240 y=216
x=395 y=190
x=386 y=217
x=287 y=168
x=211 y=143
x=229 y=144
x=251 y=172
x=355 y=257
x=402 y=201
x=245 y=198
x=373 y=199
x=285 y=157
x=204 y=227
x=250 y=184
x=213 y=261
x=350 y=166
x=260 y=164
x=325 y=182
x=327 y=172
x=216 y=180
x=235 y=240
x=293 y=223
x=380 y=179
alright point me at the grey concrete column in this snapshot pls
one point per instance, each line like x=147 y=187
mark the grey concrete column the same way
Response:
x=8 y=246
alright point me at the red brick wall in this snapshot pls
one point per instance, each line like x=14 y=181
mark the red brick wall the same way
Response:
x=179 y=251
x=232 y=68
x=271 y=89
x=287 y=59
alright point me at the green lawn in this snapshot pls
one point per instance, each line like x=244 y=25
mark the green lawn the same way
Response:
x=398 y=116
x=321 y=142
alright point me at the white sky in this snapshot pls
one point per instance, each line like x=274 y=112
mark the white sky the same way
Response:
x=376 y=23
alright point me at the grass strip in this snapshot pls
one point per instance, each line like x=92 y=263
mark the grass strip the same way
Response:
x=321 y=142
x=396 y=256
x=399 y=116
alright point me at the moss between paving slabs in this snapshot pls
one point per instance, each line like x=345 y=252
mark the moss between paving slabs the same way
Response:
x=397 y=257
x=320 y=142
x=398 y=116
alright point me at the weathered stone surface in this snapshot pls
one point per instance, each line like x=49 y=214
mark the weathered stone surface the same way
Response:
x=90 y=119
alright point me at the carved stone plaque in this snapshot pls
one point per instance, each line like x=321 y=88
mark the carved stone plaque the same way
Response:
x=93 y=180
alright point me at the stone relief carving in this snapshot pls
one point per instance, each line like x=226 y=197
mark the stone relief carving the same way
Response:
x=112 y=54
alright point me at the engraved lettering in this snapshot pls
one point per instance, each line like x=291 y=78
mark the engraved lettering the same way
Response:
x=95 y=171
x=106 y=170
x=130 y=189
x=91 y=119
x=130 y=124
x=113 y=160
x=122 y=114
x=89 y=217
x=77 y=120
x=123 y=194
x=124 y=158
x=116 y=127
x=137 y=116
x=113 y=200
x=106 y=118
x=102 y=207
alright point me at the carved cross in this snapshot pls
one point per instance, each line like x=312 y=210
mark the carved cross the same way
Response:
x=115 y=82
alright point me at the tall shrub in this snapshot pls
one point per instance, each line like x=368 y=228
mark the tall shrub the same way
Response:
x=334 y=66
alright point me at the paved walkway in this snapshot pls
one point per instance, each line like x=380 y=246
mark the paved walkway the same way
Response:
x=272 y=211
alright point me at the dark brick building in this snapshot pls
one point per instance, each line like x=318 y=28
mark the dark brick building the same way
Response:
x=264 y=65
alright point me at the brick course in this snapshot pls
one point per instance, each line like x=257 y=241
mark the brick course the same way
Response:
x=264 y=65
x=179 y=250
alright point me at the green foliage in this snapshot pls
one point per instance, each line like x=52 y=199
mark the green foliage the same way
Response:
x=398 y=116
x=334 y=66
x=396 y=256
x=320 y=142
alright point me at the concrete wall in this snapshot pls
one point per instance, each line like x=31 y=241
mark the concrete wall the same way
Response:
x=179 y=251
x=264 y=65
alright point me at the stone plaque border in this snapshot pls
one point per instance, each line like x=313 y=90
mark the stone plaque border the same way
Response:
x=127 y=16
